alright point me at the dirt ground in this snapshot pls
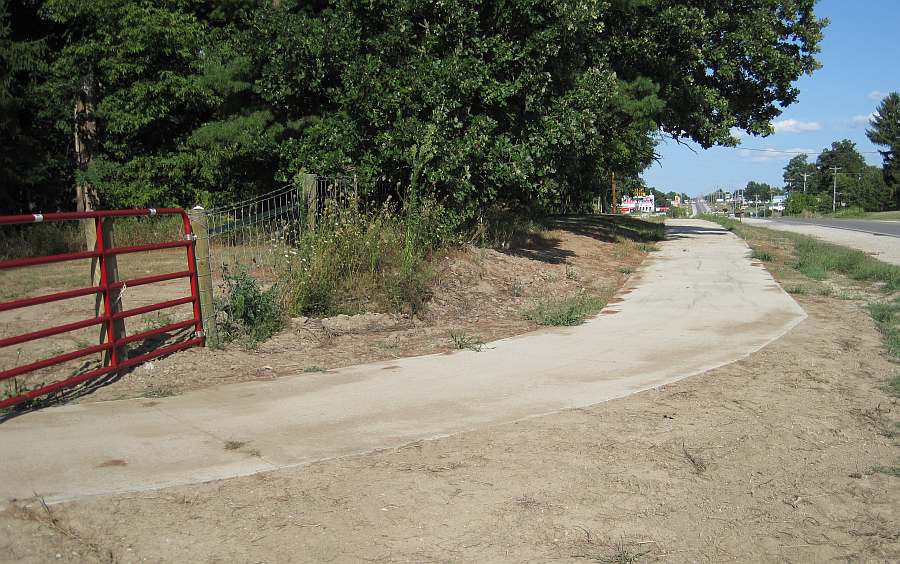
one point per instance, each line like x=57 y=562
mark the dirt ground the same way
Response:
x=778 y=457
x=769 y=458
x=478 y=296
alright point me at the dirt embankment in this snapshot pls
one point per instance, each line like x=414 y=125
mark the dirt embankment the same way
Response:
x=782 y=456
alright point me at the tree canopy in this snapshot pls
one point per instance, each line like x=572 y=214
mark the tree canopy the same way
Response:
x=839 y=177
x=885 y=132
x=472 y=102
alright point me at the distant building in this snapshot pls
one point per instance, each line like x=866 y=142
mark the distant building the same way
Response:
x=676 y=201
x=777 y=203
x=639 y=204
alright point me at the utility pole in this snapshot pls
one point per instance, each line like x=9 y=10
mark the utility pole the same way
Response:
x=805 y=176
x=834 y=171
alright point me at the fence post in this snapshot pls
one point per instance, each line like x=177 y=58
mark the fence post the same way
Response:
x=109 y=273
x=200 y=229
x=311 y=193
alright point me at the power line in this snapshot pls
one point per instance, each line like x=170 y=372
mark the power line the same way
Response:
x=793 y=152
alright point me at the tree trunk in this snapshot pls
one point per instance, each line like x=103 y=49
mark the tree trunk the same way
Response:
x=85 y=144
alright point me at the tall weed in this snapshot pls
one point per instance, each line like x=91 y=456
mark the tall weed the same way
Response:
x=246 y=311
x=354 y=261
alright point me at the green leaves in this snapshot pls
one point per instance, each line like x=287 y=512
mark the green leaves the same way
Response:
x=526 y=104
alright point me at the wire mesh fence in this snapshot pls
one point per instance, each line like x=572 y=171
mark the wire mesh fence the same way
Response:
x=256 y=234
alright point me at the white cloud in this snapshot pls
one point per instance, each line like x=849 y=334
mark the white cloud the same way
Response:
x=769 y=154
x=860 y=120
x=795 y=126
x=737 y=132
x=877 y=95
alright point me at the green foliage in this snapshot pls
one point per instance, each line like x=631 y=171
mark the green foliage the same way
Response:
x=799 y=174
x=462 y=340
x=528 y=106
x=571 y=310
x=354 y=262
x=758 y=191
x=762 y=255
x=816 y=259
x=887 y=317
x=885 y=132
x=246 y=311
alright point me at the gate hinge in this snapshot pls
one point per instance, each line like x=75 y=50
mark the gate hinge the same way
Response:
x=199 y=334
x=190 y=237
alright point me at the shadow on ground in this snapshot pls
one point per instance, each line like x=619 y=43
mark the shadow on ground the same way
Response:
x=610 y=228
x=67 y=395
x=687 y=231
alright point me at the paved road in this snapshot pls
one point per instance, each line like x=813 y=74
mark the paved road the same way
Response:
x=699 y=303
x=884 y=228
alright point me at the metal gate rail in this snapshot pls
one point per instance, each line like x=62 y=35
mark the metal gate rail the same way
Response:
x=114 y=346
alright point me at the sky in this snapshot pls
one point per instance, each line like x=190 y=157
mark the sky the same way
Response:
x=860 y=65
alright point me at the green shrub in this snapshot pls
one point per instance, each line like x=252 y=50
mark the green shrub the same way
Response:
x=247 y=311
x=355 y=261
x=571 y=310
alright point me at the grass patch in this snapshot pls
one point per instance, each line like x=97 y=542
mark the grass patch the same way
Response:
x=887 y=318
x=893 y=470
x=893 y=386
x=310 y=369
x=234 y=445
x=623 y=554
x=795 y=289
x=762 y=255
x=647 y=248
x=572 y=310
x=625 y=270
x=816 y=259
x=462 y=340
x=158 y=392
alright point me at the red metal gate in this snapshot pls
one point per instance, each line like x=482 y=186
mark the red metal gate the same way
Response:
x=112 y=346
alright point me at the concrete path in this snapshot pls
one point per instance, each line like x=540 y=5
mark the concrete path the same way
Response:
x=884 y=246
x=698 y=303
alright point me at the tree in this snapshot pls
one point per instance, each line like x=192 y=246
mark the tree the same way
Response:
x=843 y=156
x=757 y=191
x=885 y=131
x=35 y=161
x=799 y=173
x=532 y=106
x=867 y=190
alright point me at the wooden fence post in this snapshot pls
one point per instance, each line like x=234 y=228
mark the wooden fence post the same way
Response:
x=200 y=229
x=311 y=194
x=106 y=240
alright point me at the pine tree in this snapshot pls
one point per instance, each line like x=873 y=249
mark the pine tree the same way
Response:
x=885 y=131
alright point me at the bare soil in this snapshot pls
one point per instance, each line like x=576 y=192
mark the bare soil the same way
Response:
x=478 y=296
x=770 y=458
x=783 y=456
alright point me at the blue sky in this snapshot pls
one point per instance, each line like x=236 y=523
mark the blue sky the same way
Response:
x=861 y=64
